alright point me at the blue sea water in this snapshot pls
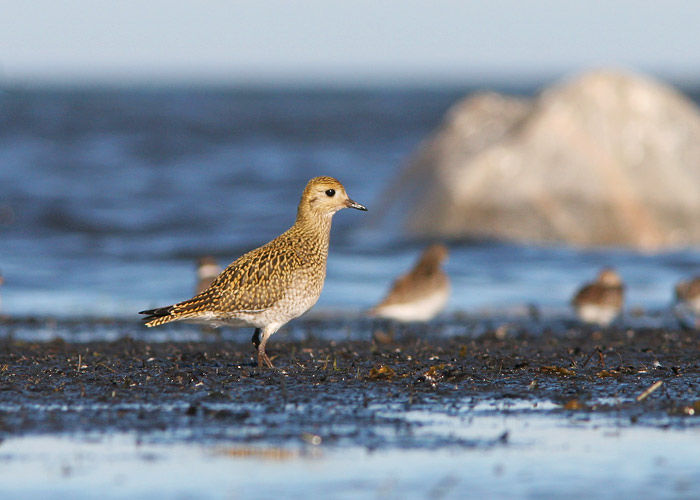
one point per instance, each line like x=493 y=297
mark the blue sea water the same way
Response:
x=108 y=197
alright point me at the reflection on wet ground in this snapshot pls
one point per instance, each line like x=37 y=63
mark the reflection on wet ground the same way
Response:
x=528 y=455
x=448 y=410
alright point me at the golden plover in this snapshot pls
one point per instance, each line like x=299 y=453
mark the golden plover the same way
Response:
x=207 y=271
x=420 y=294
x=271 y=285
x=600 y=302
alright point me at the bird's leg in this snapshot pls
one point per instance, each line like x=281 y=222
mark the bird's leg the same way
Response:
x=263 y=359
x=256 y=338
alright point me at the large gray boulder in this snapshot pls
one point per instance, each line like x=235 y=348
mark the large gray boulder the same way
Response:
x=604 y=159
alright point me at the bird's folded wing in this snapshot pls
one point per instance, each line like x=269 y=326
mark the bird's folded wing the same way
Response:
x=252 y=283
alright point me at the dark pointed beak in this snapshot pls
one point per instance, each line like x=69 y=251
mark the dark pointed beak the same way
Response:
x=353 y=204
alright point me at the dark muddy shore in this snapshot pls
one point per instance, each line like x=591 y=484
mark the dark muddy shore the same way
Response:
x=343 y=392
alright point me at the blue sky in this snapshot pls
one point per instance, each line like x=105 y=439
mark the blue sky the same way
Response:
x=355 y=42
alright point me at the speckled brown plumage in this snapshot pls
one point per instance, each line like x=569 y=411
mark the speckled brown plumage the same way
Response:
x=269 y=286
x=419 y=294
x=601 y=301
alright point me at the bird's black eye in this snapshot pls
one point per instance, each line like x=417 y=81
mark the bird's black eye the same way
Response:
x=330 y=192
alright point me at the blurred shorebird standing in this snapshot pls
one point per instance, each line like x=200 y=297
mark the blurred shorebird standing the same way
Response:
x=688 y=292
x=420 y=294
x=275 y=283
x=600 y=302
x=687 y=300
x=207 y=271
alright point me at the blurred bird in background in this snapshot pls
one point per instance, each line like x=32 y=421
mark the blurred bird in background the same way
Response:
x=687 y=302
x=420 y=294
x=207 y=271
x=601 y=301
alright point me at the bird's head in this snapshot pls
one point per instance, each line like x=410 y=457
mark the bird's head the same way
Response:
x=324 y=196
x=609 y=277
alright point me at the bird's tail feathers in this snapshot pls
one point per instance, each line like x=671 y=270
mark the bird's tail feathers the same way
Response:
x=188 y=309
x=158 y=316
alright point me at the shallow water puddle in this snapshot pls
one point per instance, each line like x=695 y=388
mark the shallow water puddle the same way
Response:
x=526 y=454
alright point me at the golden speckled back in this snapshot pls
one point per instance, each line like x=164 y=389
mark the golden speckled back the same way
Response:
x=261 y=278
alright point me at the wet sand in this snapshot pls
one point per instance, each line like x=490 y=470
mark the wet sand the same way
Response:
x=407 y=392
x=342 y=386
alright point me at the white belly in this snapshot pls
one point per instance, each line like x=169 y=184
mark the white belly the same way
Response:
x=296 y=301
x=423 y=309
x=601 y=315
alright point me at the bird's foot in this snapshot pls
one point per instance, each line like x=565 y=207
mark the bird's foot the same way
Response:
x=264 y=360
x=259 y=342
